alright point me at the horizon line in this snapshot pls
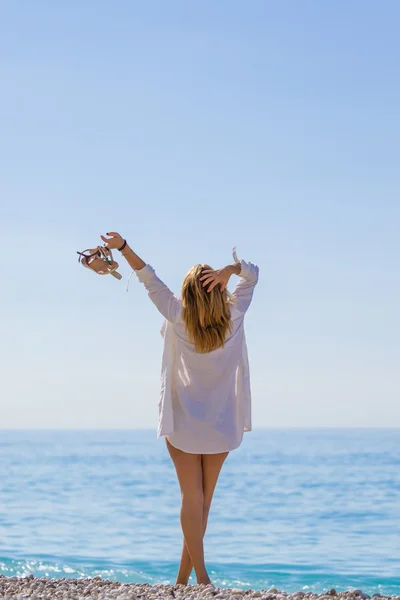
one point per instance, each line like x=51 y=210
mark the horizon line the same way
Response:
x=154 y=430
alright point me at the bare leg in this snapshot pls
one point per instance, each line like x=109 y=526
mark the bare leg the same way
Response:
x=189 y=471
x=211 y=467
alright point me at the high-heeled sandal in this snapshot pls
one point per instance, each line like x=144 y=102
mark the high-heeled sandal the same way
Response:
x=100 y=260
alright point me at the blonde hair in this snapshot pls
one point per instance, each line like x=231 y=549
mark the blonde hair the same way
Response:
x=206 y=315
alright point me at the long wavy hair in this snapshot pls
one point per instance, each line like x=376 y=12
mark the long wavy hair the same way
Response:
x=206 y=315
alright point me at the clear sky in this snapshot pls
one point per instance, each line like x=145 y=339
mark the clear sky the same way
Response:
x=191 y=127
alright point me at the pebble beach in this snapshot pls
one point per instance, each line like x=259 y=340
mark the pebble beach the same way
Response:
x=17 y=588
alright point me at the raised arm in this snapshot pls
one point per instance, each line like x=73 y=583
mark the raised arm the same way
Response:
x=243 y=292
x=159 y=293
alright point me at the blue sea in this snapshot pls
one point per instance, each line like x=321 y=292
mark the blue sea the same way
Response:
x=294 y=509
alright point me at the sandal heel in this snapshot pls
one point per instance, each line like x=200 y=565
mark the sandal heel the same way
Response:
x=116 y=274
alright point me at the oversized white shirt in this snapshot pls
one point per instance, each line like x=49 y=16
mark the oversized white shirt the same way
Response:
x=205 y=400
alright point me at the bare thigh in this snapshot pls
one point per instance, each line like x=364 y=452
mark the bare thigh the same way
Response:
x=197 y=473
x=211 y=468
x=189 y=472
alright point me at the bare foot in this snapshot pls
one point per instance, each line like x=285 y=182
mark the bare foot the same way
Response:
x=204 y=580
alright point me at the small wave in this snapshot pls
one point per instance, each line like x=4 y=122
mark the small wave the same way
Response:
x=290 y=578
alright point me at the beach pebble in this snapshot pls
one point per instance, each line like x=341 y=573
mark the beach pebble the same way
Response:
x=20 y=588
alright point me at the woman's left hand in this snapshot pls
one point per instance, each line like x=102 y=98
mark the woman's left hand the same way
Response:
x=115 y=242
x=220 y=276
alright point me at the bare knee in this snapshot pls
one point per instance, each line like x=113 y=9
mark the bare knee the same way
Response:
x=193 y=498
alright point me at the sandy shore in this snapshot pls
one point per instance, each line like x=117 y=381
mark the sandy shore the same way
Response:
x=17 y=588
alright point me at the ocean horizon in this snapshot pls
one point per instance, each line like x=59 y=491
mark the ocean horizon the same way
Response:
x=296 y=509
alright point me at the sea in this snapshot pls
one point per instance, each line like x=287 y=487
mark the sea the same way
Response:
x=295 y=509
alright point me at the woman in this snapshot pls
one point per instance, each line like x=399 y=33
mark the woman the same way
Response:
x=205 y=403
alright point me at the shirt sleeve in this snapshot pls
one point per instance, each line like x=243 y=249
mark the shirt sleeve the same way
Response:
x=168 y=305
x=243 y=293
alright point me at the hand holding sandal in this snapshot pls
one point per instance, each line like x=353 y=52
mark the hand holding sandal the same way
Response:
x=100 y=260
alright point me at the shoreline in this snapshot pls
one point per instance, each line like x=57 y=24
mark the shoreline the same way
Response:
x=104 y=589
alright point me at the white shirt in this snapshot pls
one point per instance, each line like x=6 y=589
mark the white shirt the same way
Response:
x=205 y=400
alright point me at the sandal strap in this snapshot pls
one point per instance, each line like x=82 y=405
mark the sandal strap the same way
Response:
x=104 y=254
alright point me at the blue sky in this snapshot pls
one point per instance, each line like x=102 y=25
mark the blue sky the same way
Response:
x=191 y=127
